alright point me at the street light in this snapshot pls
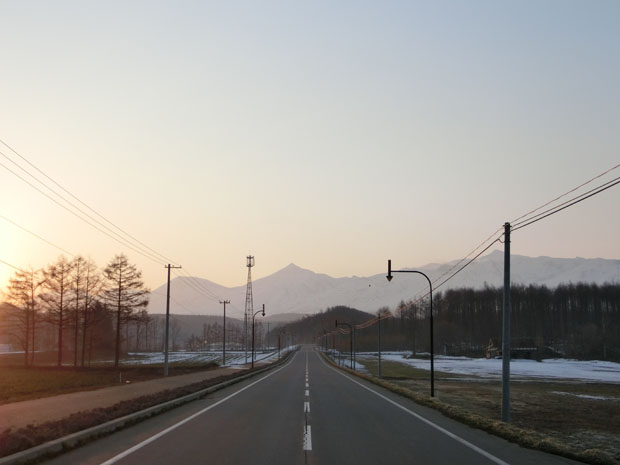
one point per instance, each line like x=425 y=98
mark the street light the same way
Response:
x=389 y=278
x=351 y=332
x=253 y=318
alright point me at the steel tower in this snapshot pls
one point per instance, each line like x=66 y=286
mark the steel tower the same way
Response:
x=249 y=304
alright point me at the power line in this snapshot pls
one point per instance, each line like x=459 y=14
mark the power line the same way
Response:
x=563 y=203
x=566 y=193
x=36 y=235
x=189 y=281
x=467 y=256
x=466 y=264
x=125 y=244
x=13 y=266
x=120 y=239
x=80 y=201
x=617 y=181
x=533 y=219
x=153 y=255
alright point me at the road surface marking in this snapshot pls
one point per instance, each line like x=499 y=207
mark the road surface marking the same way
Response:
x=307 y=385
x=307 y=392
x=182 y=422
x=468 y=444
x=306 y=407
x=308 y=438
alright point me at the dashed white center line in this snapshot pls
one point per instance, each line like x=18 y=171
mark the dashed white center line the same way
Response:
x=308 y=438
x=307 y=428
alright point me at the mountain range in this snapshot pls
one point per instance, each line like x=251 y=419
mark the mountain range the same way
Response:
x=294 y=290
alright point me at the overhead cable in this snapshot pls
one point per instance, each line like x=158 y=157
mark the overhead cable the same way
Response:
x=36 y=235
x=83 y=203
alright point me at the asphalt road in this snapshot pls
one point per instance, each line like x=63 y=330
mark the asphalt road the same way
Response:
x=305 y=412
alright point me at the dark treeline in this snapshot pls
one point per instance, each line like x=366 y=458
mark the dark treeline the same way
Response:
x=312 y=326
x=573 y=320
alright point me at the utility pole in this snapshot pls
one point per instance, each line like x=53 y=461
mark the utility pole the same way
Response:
x=506 y=329
x=224 y=333
x=379 y=337
x=354 y=348
x=169 y=266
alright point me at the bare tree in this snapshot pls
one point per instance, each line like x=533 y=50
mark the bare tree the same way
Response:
x=125 y=292
x=57 y=287
x=22 y=292
x=91 y=289
x=175 y=332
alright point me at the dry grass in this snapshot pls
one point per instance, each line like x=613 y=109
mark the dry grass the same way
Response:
x=18 y=383
x=548 y=416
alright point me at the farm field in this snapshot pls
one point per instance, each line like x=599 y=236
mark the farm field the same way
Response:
x=573 y=402
x=45 y=379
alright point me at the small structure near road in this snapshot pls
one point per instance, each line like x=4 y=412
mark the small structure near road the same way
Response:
x=522 y=348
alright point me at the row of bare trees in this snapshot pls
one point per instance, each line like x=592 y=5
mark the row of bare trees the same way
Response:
x=580 y=320
x=73 y=296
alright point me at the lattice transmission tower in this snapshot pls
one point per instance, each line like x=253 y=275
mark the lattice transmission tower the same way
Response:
x=249 y=305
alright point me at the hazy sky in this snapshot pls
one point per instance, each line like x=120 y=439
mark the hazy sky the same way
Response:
x=334 y=135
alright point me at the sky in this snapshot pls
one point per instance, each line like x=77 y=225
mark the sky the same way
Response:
x=332 y=135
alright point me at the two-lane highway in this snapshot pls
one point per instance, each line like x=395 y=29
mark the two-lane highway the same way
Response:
x=305 y=412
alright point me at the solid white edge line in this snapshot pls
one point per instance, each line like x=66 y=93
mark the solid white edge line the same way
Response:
x=140 y=445
x=308 y=438
x=466 y=443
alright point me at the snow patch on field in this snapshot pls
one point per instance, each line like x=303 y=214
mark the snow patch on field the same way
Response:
x=233 y=358
x=587 y=371
x=584 y=396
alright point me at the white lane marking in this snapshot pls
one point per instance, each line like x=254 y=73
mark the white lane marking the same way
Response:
x=307 y=392
x=308 y=438
x=182 y=422
x=473 y=447
x=306 y=407
x=307 y=385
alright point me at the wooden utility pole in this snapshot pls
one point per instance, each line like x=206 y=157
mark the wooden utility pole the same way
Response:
x=224 y=335
x=506 y=329
x=169 y=266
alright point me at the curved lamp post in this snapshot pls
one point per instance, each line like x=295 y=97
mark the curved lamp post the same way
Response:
x=253 y=318
x=351 y=332
x=389 y=278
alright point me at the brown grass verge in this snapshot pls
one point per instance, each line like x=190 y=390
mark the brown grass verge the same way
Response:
x=19 y=383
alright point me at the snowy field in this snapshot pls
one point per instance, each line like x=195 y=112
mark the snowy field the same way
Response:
x=555 y=369
x=233 y=358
